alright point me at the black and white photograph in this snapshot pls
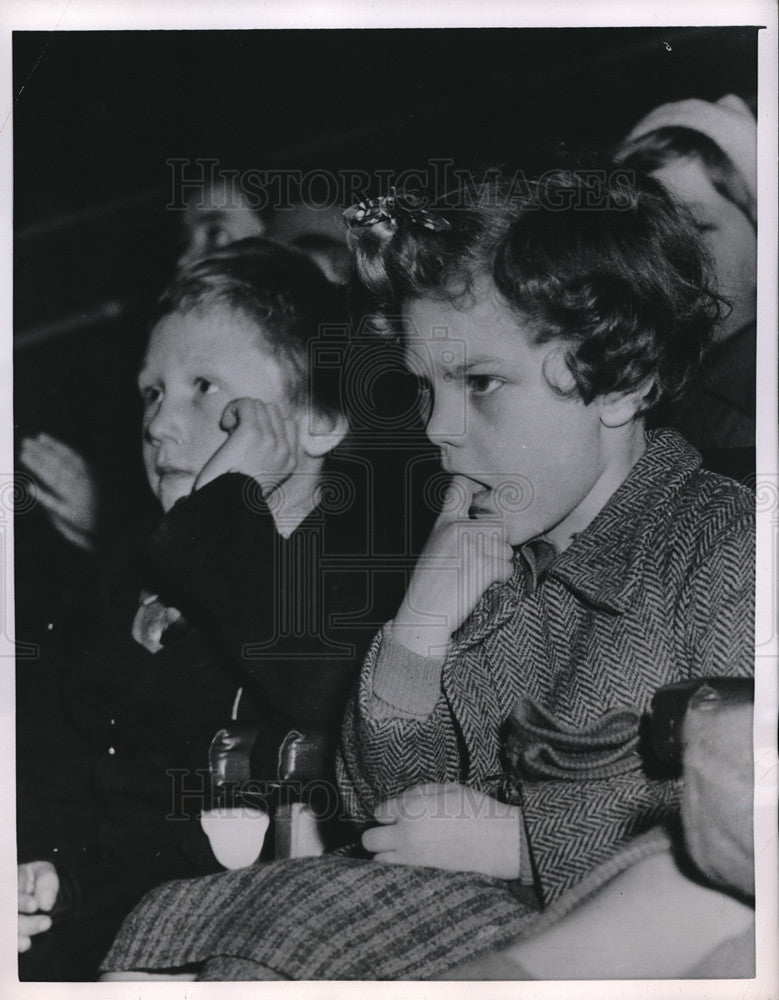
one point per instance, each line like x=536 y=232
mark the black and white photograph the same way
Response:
x=391 y=521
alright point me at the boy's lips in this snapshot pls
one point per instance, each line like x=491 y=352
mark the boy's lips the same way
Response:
x=170 y=470
x=169 y=478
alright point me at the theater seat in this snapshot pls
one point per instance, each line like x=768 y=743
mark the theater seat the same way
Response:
x=289 y=775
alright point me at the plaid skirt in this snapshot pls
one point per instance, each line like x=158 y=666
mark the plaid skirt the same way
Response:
x=321 y=918
x=344 y=918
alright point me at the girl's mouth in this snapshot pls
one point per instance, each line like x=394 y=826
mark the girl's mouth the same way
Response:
x=480 y=502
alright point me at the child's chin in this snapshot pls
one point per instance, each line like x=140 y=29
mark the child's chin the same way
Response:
x=520 y=534
x=169 y=493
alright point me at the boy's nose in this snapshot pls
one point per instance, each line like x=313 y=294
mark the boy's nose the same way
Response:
x=165 y=425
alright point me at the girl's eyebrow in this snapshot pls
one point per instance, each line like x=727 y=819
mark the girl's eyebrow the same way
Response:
x=478 y=359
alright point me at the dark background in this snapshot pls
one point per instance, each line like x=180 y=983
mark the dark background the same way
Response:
x=97 y=114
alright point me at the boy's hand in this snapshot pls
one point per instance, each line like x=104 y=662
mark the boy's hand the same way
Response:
x=262 y=443
x=65 y=487
x=38 y=887
x=152 y=620
x=462 y=558
x=448 y=826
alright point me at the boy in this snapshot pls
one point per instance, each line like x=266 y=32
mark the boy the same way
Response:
x=238 y=429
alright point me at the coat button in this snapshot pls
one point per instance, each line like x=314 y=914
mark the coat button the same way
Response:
x=112 y=750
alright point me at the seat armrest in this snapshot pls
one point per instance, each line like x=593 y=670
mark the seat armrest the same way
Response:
x=246 y=755
x=288 y=773
x=229 y=757
x=670 y=703
x=306 y=756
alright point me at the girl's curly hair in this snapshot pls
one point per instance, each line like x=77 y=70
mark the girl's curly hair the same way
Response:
x=600 y=259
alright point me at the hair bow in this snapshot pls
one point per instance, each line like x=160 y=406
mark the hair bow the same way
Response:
x=390 y=207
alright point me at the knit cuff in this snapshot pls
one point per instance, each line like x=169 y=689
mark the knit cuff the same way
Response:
x=405 y=684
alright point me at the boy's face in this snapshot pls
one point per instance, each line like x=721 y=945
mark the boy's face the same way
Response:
x=536 y=460
x=727 y=232
x=195 y=364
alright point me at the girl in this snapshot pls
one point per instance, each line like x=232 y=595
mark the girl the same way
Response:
x=492 y=747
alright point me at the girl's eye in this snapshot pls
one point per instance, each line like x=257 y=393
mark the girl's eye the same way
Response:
x=705 y=227
x=206 y=387
x=483 y=385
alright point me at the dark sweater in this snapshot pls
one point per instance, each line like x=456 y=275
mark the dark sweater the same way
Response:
x=112 y=769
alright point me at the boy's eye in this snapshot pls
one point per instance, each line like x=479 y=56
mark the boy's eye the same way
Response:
x=206 y=387
x=483 y=385
x=150 y=394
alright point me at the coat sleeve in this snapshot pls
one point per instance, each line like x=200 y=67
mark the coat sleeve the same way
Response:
x=387 y=746
x=573 y=826
x=716 y=609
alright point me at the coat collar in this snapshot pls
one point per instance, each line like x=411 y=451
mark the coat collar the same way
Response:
x=602 y=565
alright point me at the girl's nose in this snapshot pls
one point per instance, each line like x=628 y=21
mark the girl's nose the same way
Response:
x=446 y=423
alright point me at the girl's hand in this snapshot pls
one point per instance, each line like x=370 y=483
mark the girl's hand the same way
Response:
x=65 y=487
x=462 y=558
x=38 y=886
x=262 y=442
x=448 y=826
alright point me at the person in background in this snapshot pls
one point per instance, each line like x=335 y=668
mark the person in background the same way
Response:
x=705 y=154
x=219 y=214
x=66 y=487
x=329 y=254
x=65 y=484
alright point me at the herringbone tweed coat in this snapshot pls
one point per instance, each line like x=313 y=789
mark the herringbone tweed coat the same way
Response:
x=540 y=700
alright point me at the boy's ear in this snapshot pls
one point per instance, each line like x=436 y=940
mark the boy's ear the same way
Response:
x=321 y=432
x=619 y=408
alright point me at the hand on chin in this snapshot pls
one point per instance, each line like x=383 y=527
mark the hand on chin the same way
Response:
x=172 y=487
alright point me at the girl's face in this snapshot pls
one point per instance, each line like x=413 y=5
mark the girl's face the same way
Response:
x=728 y=233
x=195 y=364
x=537 y=461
